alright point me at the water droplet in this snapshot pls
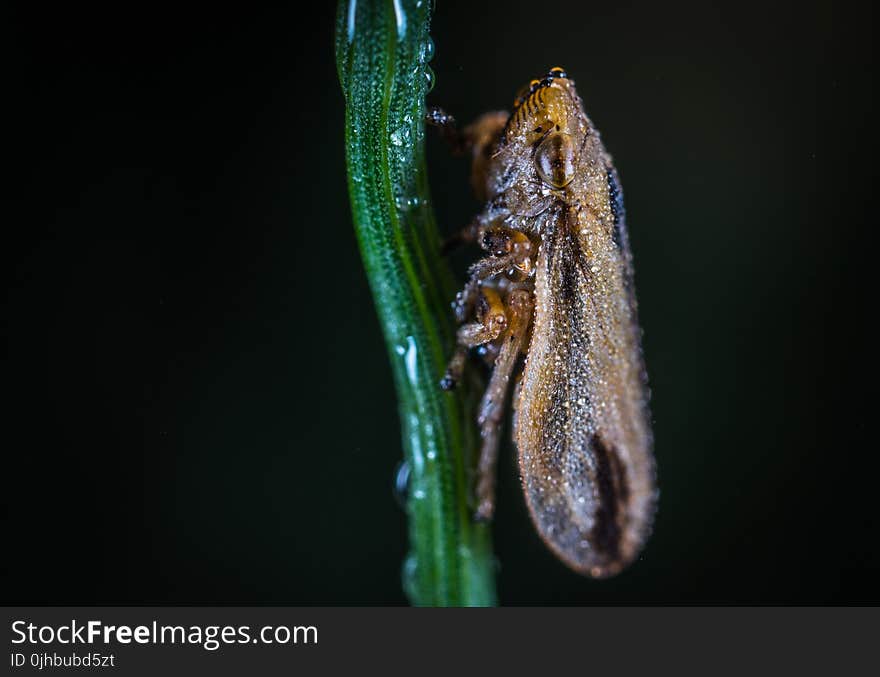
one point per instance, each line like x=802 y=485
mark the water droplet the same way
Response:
x=352 y=14
x=401 y=483
x=429 y=76
x=400 y=17
x=410 y=576
x=407 y=203
x=402 y=136
x=411 y=359
x=429 y=49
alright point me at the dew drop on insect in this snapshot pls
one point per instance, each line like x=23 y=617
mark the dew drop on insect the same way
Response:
x=401 y=483
x=429 y=49
x=429 y=76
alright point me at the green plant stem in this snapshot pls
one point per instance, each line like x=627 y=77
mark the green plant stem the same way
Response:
x=382 y=50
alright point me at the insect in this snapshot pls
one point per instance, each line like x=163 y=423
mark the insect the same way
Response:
x=552 y=308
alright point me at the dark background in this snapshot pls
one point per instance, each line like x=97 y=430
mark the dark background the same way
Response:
x=199 y=404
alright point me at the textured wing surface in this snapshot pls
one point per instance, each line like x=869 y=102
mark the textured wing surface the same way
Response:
x=582 y=424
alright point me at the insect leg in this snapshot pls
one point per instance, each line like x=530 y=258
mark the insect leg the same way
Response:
x=491 y=412
x=483 y=135
x=480 y=138
x=503 y=241
x=466 y=235
x=487 y=230
x=479 y=271
x=458 y=141
x=491 y=321
x=489 y=353
x=510 y=249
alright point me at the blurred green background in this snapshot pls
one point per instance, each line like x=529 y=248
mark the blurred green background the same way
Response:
x=200 y=408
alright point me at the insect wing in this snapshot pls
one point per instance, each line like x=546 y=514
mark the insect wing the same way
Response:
x=582 y=426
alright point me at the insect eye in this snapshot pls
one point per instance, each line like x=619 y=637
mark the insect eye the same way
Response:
x=554 y=160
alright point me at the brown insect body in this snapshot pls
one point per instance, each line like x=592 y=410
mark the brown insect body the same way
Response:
x=558 y=288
